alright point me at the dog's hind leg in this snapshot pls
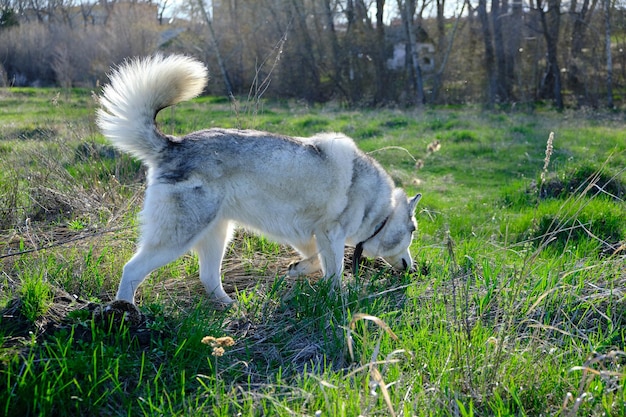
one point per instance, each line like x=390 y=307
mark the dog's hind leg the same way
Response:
x=210 y=249
x=310 y=262
x=172 y=223
x=149 y=257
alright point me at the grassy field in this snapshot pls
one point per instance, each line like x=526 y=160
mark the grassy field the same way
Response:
x=517 y=308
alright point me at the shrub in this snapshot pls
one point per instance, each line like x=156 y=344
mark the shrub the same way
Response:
x=458 y=136
x=580 y=179
x=35 y=295
x=571 y=221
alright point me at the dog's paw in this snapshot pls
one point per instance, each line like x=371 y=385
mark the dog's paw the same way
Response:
x=222 y=305
x=294 y=270
x=308 y=266
x=221 y=302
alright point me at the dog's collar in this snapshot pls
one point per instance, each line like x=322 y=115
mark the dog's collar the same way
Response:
x=358 y=250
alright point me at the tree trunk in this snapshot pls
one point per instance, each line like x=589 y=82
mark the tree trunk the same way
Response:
x=335 y=49
x=216 y=49
x=512 y=49
x=441 y=40
x=497 y=17
x=438 y=79
x=379 y=48
x=407 y=16
x=490 y=69
x=581 y=19
x=349 y=47
x=307 y=52
x=609 y=58
x=550 y=22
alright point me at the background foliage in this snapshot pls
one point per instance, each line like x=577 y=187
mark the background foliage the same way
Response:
x=503 y=52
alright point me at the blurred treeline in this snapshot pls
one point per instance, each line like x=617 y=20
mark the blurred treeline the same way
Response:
x=359 y=52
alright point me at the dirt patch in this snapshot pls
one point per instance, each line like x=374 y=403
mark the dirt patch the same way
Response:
x=17 y=328
x=74 y=315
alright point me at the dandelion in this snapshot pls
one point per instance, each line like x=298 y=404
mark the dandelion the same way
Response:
x=434 y=146
x=218 y=344
x=208 y=340
x=225 y=341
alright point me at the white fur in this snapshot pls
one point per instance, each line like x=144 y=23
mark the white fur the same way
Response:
x=137 y=90
x=316 y=194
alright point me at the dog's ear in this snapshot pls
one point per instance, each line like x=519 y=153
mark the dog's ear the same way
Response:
x=413 y=203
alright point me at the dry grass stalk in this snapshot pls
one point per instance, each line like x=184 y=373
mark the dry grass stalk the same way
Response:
x=589 y=373
x=546 y=160
x=376 y=376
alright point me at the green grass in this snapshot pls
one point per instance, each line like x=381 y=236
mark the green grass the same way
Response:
x=34 y=294
x=517 y=307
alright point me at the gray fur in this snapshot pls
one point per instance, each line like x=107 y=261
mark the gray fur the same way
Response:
x=316 y=194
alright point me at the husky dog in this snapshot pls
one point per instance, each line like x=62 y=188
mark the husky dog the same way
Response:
x=316 y=194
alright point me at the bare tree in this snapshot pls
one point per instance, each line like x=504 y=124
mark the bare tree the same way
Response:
x=332 y=39
x=513 y=41
x=550 y=24
x=441 y=39
x=498 y=17
x=501 y=29
x=609 y=57
x=380 y=53
x=305 y=48
x=216 y=49
x=490 y=58
x=581 y=15
x=323 y=49
x=444 y=50
x=407 y=11
x=63 y=66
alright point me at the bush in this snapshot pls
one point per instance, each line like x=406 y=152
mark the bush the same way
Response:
x=76 y=53
x=570 y=222
x=580 y=179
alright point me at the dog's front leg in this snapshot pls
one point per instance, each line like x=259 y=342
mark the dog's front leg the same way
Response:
x=210 y=249
x=331 y=247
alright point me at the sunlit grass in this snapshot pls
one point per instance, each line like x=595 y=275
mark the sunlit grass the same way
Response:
x=517 y=306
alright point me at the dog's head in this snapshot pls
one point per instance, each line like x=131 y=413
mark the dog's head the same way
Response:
x=393 y=241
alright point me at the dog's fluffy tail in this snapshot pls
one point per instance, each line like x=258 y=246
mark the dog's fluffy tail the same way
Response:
x=137 y=91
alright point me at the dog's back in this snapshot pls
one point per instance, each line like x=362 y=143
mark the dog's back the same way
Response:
x=265 y=178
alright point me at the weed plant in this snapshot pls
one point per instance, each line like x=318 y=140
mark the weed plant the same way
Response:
x=517 y=306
